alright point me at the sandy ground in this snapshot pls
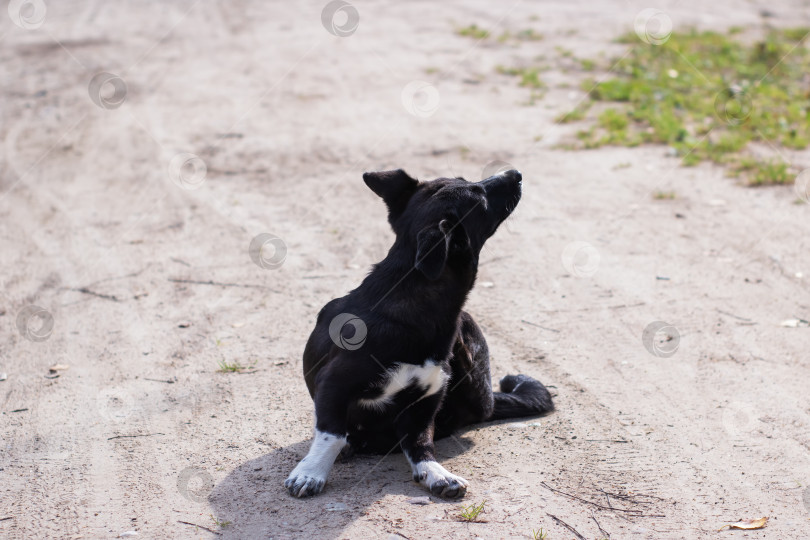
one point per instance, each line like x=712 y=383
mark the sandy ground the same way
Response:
x=150 y=285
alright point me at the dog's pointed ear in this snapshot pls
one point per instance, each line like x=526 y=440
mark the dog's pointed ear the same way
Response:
x=393 y=187
x=432 y=247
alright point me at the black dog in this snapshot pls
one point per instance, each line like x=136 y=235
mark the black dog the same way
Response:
x=396 y=361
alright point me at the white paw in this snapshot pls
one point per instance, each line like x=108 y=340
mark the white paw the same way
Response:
x=301 y=484
x=439 y=480
x=309 y=476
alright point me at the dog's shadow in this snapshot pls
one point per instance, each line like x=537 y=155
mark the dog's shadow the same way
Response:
x=253 y=499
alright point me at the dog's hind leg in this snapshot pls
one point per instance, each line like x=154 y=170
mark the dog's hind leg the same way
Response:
x=469 y=392
x=470 y=399
x=520 y=396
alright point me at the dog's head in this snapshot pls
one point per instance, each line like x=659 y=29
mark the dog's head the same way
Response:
x=448 y=219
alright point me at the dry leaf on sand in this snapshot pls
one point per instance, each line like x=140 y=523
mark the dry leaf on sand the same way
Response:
x=746 y=524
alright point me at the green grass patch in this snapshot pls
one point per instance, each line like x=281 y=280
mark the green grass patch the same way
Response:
x=528 y=35
x=587 y=64
x=563 y=52
x=613 y=120
x=471 y=512
x=476 y=32
x=529 y=76
x=707 y=95
x=523 y=35
x=772 y=172
x=574 y=115
x=229 y=367
x=473 y=31
x=233 y=367
x=219 y=523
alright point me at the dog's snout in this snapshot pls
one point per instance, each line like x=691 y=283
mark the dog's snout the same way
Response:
x=504 y=191
x=512 y=175
x=507 y=180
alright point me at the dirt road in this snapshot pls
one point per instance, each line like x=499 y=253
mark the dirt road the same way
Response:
x=128 y=203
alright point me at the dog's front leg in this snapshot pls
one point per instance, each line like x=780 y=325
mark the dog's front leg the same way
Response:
x=415 y=430
x=309 y=476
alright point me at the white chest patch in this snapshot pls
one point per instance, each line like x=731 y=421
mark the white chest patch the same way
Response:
x=430 y=377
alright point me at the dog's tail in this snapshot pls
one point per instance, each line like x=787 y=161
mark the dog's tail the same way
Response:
x=520 y=396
